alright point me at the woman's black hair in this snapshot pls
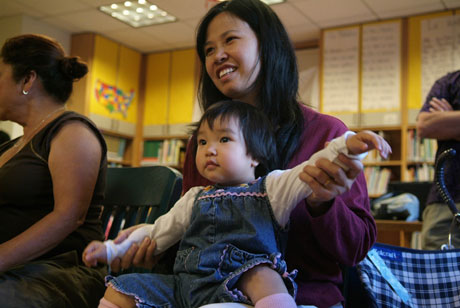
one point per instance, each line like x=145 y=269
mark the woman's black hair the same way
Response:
x=255 y=127
x=278 y=78
x=45 y=56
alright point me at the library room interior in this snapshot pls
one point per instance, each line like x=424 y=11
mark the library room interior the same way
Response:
x=369 y=63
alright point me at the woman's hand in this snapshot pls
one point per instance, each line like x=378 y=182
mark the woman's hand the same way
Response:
x=137 y=255
x=328 y=180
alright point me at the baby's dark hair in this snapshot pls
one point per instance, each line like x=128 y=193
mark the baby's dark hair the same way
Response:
x=257 y=131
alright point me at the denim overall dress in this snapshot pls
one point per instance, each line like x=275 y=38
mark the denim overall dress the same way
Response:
x=232 y=229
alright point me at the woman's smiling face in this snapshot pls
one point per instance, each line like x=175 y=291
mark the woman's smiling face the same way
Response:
x=232 y=57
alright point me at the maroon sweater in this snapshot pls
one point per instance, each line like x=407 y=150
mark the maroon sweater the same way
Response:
x=317 y=246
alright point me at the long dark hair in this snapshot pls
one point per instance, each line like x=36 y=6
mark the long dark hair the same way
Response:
x=278 y=77
x=256 y=128
x=45 y=56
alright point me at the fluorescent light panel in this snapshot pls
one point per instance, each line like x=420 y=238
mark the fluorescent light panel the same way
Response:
x=140 y=13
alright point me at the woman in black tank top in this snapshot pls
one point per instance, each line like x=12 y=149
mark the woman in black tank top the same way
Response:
x=52 y=180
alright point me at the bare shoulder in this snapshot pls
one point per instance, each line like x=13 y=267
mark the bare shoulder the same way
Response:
x=76 y=138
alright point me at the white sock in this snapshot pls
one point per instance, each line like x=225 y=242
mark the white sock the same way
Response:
x=278 y=300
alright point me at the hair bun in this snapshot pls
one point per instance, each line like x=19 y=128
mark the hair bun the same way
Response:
x=73 y=68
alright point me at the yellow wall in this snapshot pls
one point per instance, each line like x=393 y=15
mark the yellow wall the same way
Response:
x=157 y=89
x=414 y=65
x=128 y=79
x=182 y=86
x=115 y=65
x=170 y=88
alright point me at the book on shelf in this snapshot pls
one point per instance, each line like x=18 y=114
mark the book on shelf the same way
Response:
x=377 y=180
x=166 y=152
x=116 y=147
x=152 y=149
x=420 y=173
x=420 y=149
x=373 y=155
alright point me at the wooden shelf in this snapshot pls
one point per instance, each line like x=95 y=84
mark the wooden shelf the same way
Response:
x=386 y=163
x=376 y=128
x=122 y=162
x=165 y=150
x=182 y=137
x=396 y=232
x=418 y=162
x=116 y=134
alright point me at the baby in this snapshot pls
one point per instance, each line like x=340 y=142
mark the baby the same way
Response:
x=236 y=224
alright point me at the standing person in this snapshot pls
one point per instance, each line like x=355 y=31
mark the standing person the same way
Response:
x=439 y=119
x=246 y=54
x=229 y=227
x=52 y=180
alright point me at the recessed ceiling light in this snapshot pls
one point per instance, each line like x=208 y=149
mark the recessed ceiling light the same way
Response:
x=137 y=14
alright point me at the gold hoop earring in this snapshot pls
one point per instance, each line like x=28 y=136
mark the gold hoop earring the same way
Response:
x=25 y=92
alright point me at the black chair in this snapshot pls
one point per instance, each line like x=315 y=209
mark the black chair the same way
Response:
x=137 y=195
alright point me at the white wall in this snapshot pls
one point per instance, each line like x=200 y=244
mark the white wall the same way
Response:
x=32 y=25
x=308 y=64
x=10 y=26
x=22 y=24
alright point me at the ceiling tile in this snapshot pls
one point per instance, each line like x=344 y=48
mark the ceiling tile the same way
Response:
x=452 y=4
x=11 y=8
x=302 y=18
x=137 y=40
x=397 y=8
x=98 y=3
x=53 y=7
x=330 y=13
x=183 y=9
x=90 y=21
x=292 y=16
x=171 y=32
x=192 y=22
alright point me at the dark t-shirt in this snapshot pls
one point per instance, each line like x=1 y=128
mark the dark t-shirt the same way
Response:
x=26 y=188
x=447 y=87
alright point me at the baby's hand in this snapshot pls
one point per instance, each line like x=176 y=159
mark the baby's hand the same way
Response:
x=95 y=253
x=367 y=140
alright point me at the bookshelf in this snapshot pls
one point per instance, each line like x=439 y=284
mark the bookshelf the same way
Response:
x=165 y=150
x=119 y=149
x=399 y=233
x=380 y=172
x=161 y=87
x=376 y=76
x=412 y=159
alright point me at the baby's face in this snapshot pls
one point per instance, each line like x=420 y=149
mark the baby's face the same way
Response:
x=221 y=155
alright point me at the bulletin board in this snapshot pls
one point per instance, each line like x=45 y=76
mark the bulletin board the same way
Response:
x=381 y=74
x=340 y=74
x=433 y=52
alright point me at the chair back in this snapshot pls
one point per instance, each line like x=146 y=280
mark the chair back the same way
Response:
x=135 y=195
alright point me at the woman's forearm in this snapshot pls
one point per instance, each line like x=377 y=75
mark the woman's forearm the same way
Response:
x=41 y=237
